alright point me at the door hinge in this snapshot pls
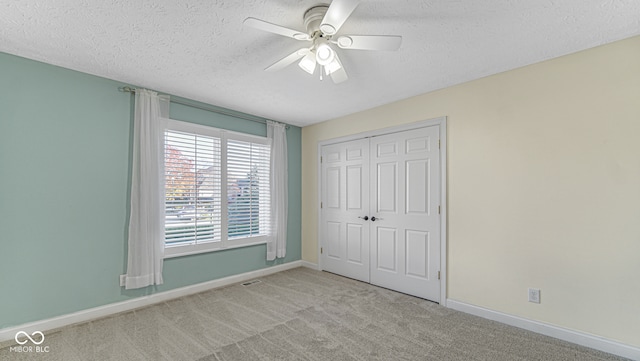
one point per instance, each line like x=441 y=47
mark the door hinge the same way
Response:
x=320 y=204
x=320 y=159
x=320 y=250
x=438 y=274
x=438 y=209
x=438 y=143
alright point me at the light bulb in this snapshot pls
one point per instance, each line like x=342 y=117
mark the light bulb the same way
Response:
x=324 y=54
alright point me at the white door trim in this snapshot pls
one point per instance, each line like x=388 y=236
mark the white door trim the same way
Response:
x=442 y=122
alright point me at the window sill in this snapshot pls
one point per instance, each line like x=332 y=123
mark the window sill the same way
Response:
x=188 y=250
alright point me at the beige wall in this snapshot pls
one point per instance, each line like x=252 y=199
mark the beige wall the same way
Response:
x=543 y=187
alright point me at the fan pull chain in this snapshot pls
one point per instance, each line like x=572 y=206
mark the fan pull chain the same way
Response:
x=321 y=71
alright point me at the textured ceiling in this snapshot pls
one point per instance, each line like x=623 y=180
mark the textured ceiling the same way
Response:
x=200 y=49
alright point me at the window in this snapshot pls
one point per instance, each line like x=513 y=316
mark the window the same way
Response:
x=216 y=189
x=247 y=188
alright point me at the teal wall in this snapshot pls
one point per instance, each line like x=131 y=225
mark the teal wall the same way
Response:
x=65 y=155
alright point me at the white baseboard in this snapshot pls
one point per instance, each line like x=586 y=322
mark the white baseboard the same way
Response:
x=313 y=266
x=577 y=337
x=113 y=308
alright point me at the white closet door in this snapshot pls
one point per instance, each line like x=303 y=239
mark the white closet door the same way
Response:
x=404 y=217
x=345 y=203
x=380 y=220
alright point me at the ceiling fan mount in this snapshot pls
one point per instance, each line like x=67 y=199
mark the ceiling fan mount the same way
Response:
x=313 y=18
x=323 y=23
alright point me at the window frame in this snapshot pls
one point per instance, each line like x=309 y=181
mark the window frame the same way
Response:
x=224 y=135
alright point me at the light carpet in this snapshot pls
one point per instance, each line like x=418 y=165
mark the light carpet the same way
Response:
x=300 y=314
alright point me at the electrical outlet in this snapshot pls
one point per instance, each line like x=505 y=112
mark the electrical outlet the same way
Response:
x=122 y=280
x=534 y=295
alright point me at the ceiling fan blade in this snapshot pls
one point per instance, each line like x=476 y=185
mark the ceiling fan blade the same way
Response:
x=288 y=60
x=276 y=29
x=336 y=15
x=339 y=75
x=370 y=42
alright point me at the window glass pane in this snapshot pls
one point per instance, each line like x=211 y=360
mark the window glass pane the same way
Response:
x=247 y=188
x=193 y=190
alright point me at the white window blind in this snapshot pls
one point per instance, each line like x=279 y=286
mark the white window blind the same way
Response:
x=216 y=189
x=248 y=188
x=193 y=202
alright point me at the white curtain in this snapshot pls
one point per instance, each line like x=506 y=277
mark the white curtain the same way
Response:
x=146 y=226
x=277 y=244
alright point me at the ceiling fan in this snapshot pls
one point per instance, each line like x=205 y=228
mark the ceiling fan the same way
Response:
x=323 y=22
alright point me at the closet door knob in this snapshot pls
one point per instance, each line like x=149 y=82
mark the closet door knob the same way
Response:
x=365 y=217
x=373 y=219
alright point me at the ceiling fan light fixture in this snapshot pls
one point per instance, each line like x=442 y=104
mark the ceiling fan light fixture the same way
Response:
x=331 y=67
x=308 y=63
x=324 y=54
x=322 y=23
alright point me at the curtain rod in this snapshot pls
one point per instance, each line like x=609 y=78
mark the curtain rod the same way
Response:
x=128 y=89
